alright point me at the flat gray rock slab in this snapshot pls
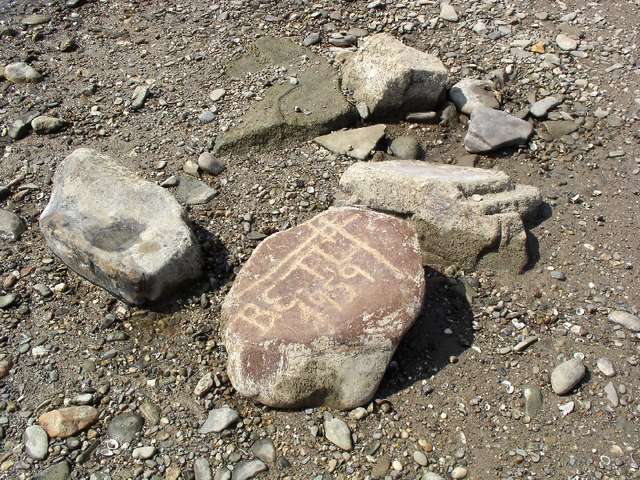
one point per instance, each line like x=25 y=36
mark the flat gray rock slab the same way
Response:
x=248 y=469
x=357 y=143
x=491 y=129
x=317 y=311
x=58 y=471
x=313 y=106
x=11 y=226
x=192 y=191
x=540 y=108
x=393 y=79
x=464 y=215
x=219 y=419
x=470 y=94
x=125 y=234
x=338 y=433
x=625 y=319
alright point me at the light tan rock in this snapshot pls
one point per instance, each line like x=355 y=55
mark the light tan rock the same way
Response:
x=68 y=421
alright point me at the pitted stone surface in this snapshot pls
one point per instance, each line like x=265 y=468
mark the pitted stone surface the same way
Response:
x=393 y=79
x=117 y=230
x=313 y=106
x=464 y=216
x=317 y=312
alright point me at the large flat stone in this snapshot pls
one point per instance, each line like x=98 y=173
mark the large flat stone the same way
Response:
x=313 y=106
x=357 y=143
x=491 y=129
x=317 y=312
x=464 y=216
x=393 y=79
x=117 y=230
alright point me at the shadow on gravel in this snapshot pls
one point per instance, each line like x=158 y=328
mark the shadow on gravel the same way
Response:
x=533 y=246
x=426 y=348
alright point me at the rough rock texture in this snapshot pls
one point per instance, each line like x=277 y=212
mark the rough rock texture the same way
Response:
x=117 y=230
x=357 y=143
x=20 y=72
x=463 y=215
x=470 y=94
x=68 y=421
x=494 y=129
x=393 y=79
x=45 y=124
x=317 y=312
x=313 y=106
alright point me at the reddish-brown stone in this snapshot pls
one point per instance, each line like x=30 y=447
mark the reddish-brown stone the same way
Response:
x=318 y=310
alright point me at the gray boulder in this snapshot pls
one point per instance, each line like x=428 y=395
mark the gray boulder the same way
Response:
x=393 y=79
x=494 y=129
x=314 y=105
x=117 y=230
x=357 y=143
x=11 y=226
x=464 y=216
x=469 y=94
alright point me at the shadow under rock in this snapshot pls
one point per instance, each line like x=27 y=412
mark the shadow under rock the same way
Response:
x=443 y=329
x=217 y=271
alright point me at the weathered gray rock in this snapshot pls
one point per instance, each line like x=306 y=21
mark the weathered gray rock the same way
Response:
x=117 y=230
x=611 y=394
x=45 y=124
x=11 y=226
x=625 y=319
x=248 y=469
x=565 y=42
x=139 y=97
x=532 y=400
x=491 y=129
x=313 y=106
x=338 y=433
x=210 y=164
x=317 y=312
x=464 y=216
x=58 y=471
x=124 y=427
x=470 y=94
x=36 y=442
x=35 y=19
x=265 y=450
x=143 y=453
x=20 y=72
x=357 y=143
x=606 y=367
x=202 y=469
x=406 y=147
x=222 y=474
x=311 y=39
x=393 y=79
x=448 y=12
x=540 y=108
x=567 y=375
x=19 y=129
x=192 y=191
x=219 y=419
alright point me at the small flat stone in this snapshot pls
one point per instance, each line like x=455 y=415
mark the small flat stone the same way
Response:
x=625 y=319
x=20 y=72
x=311 y=39
x=524 y=344
x=222 y=474
x=560 y=128
x=202 y=469
x=606 y=367
x=219 y=419
x=125 y=427
x=541 y=107
x=11 y=226
x=406 y=147
x=36 y=442
x=45 y=125
x=558 y=275
x=265 y=450
x=491 y=129
x=143 y=453
x=204 y=385
x=532 y=400
x=470 y=94
x=139 y=97
x=248 y=469
x=7 y=300
x=192 y=191
x=210 y=164
x=151 y=412
x=357 y=143
x=35 y=19
x=565 y=42
x=419 y=117
x=567 y=375
x=68 y=421
x=217 y=94
x=611 y=394
x=338 y=433
x=58 y=471
x=447 y=12
x=459 y=473
x=420 y=458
